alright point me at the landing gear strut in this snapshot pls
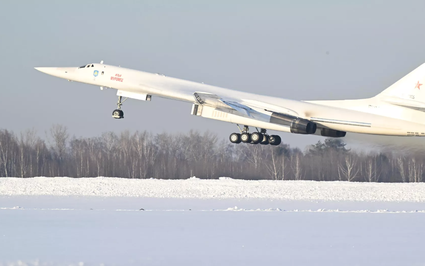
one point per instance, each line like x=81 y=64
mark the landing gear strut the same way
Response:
x=255 y=137
x=118 y=113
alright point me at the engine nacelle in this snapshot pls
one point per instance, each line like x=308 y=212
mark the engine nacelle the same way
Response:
x=303 y=126
x=327 y=132
x=297 y=125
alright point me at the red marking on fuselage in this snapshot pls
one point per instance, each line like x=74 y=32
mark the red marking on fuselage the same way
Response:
x=418 y=86
x=117 y=78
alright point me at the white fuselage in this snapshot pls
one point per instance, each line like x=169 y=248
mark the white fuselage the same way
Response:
x=370 y=116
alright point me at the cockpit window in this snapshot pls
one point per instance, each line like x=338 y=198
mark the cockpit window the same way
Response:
x=87 y=66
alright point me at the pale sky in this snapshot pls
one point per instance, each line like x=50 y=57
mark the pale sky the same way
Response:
x=290 y=49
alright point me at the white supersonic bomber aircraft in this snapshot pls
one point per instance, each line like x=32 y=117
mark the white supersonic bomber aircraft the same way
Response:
x=397 y=111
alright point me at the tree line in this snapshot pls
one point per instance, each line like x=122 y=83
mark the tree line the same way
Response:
x=175 y=156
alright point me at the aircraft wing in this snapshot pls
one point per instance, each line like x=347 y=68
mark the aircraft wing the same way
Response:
x=232 y=110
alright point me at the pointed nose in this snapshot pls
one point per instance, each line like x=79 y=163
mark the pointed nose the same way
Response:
x=60 y=72
x=47 y=70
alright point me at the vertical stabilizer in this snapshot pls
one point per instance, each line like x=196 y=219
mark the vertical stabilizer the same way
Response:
x=410 y=87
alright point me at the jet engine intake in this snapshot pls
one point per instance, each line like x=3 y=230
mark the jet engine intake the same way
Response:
x=297 y=125
x=327 y=132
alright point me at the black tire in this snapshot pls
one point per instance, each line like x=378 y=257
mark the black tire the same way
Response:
x=275 y=140
x=256 y=138
x=118 y=114
x=235 y=138
x=265 y=140
x=246 y=137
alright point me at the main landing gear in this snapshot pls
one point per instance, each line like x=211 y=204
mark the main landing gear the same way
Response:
x=255 y=137
x=118 y=113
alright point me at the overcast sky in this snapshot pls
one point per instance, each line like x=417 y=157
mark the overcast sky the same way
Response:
x=290 y=49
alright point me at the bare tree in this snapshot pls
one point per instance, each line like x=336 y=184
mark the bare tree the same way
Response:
x=347 y=169
x=276 y=161
x=273 y=165
x=7 y=148
x=415 y=169
x=110 y=140
x=142 y=155
x=296 y=165
x=401 y=168
x=59 y=135
x=370 y=170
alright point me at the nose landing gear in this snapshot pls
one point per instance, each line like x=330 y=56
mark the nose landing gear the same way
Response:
x=118 y=113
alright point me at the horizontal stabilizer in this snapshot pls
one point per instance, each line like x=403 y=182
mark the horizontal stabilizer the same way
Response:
x=411 y=104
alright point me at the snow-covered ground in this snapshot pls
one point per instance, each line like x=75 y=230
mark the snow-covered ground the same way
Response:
x=224 y=188
x=109 y=221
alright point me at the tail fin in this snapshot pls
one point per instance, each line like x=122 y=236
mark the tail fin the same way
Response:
x=410 y=87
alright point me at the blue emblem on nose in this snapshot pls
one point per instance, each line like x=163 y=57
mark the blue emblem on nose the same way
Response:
x=95 y=73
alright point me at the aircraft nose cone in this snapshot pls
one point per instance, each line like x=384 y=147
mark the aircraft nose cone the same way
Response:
x=47 y=70
x=60 y=72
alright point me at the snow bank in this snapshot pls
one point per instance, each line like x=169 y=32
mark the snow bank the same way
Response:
x=224 y=188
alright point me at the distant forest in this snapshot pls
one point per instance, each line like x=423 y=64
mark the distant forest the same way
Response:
x=175 y=156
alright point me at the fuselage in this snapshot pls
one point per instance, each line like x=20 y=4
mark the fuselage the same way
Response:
x=369 y=116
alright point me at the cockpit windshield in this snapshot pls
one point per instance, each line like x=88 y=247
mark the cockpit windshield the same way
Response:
x=86 y=66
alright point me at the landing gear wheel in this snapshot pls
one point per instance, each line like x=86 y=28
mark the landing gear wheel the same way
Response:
x=256 y=138
x=265 y=140
x=275 y=140
x=235 y=138
x=118 y=114
x=246 y=137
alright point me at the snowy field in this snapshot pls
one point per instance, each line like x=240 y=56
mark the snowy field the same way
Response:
x=109 y=221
